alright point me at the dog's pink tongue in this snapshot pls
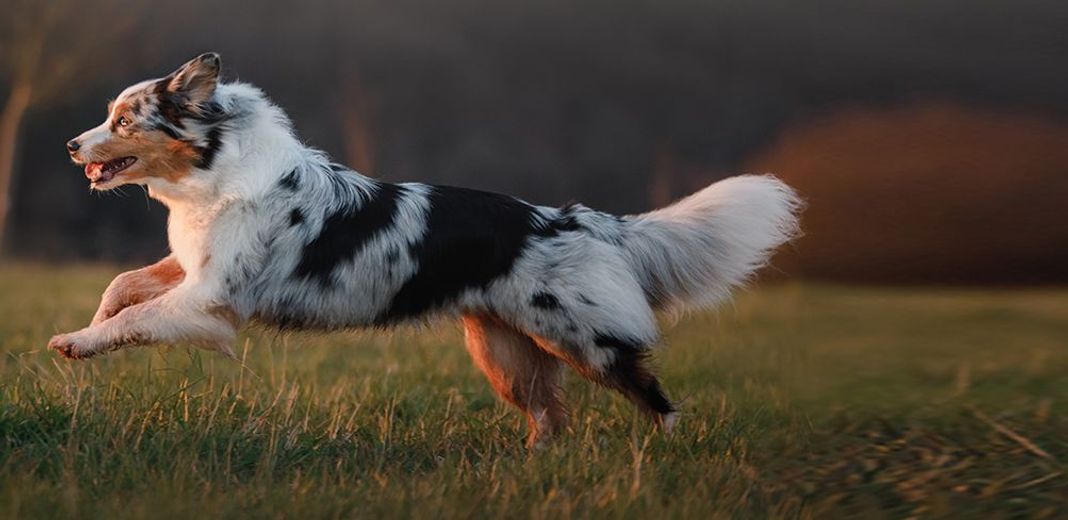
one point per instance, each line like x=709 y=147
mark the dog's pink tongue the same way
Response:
x=95 y=172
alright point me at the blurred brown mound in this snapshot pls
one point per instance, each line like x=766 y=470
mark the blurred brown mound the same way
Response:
x=928 y=193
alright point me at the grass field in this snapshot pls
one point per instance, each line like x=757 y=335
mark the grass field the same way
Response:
x=799 y=401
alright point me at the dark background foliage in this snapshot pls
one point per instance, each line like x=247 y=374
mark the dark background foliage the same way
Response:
x=935 y=110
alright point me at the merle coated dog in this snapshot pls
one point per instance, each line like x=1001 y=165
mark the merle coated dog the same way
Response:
x=264 y=228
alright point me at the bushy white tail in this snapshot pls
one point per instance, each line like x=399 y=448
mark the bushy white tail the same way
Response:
x=692 y=253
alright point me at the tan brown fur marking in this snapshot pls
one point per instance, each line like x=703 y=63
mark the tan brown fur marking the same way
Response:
x=519 y=372
x=157 y=155
x=138 y=286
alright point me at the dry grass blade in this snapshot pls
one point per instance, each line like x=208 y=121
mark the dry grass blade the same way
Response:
x=1027 y=444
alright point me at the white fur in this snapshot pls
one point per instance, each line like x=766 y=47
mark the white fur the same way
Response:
x=694 y=252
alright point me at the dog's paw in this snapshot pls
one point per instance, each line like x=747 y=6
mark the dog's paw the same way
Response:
x=71 y=346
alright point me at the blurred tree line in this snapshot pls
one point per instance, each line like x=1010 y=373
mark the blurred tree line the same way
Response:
x=930 y=193
x=624 y=105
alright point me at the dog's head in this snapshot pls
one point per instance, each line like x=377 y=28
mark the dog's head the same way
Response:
x=156 y=130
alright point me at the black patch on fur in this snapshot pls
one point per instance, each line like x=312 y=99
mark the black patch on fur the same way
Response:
x=296 y=217
x=392 y=256
x=567 y=224
x=614 y=342
x=544 y=300
x=290 y=181
x=567 y=221
x=345 y=233
x=169 y=130
x=210 y=112
x=173 y=108
x=340 y=184
x=207 y=153
x=582 y=298
x=169 y=107
x=286 y=315
x=472 y=238
x=629 y=374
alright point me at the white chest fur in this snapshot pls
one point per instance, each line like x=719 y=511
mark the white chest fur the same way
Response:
x=189 y=231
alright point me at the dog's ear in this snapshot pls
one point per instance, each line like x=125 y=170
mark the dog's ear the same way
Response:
x=196 y=80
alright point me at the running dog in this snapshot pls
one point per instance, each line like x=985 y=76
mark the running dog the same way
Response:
x=263 y=228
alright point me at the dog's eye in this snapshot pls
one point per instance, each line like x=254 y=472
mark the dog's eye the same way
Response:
x=123 y=121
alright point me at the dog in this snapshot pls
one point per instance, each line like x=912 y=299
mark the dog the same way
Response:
x=263 y=228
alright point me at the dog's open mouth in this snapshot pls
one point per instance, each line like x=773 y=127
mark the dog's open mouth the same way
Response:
x=100 y=173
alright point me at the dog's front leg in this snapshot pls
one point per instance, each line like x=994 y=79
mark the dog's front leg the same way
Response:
x=182 y=315
x=137 y=286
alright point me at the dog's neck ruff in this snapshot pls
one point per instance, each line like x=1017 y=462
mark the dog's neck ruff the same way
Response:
x=255 y=146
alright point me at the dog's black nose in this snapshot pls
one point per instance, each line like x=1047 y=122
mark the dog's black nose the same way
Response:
x=73 y=145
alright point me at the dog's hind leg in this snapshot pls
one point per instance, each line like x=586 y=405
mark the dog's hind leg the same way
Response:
x=621 y=366
x=629 y=373
x=519 y=372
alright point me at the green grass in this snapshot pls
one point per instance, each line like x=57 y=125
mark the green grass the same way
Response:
x=799 y=401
